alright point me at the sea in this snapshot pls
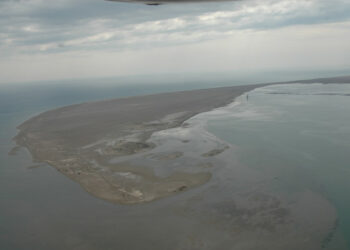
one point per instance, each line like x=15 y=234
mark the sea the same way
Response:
x=297 y=133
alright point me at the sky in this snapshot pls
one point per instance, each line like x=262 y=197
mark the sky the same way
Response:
x=70 y=39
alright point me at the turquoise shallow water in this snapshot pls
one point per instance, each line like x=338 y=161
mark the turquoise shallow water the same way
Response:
x=298 y=133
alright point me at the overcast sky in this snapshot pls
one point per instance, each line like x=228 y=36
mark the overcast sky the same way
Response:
x=63 y=39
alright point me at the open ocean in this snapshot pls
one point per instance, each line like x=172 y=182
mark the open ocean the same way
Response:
x=298 y=133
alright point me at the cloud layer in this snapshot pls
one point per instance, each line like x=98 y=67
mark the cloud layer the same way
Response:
x=40 y=28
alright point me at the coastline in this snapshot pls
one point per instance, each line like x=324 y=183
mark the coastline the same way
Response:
x=80 y=140
x=156 y=158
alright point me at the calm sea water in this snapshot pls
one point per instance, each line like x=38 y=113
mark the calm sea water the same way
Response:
x=41 y=209
x=300 y=133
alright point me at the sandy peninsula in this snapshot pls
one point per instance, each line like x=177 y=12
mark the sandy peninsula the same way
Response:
x=81 y=140
x=136 y=150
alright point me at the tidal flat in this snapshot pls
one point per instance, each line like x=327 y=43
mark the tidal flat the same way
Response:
x=137 y=150
x=81 y=140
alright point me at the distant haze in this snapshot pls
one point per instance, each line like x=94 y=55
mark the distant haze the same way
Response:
x=63 y=39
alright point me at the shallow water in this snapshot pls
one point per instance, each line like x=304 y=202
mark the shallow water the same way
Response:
x=42 y=209
x=293 y=139
x=298 y=133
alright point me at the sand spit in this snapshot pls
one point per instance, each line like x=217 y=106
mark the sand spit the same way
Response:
x=80 y=140
x=119 y=150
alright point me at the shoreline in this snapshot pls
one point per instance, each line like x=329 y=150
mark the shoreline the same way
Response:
x=175 y=157
x=80 y=140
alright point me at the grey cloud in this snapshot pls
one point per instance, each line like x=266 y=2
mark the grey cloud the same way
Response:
x=53 y=26
x=159 y=2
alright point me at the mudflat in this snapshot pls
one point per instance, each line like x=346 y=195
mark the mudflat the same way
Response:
x=119 y=150
x=80 y=140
